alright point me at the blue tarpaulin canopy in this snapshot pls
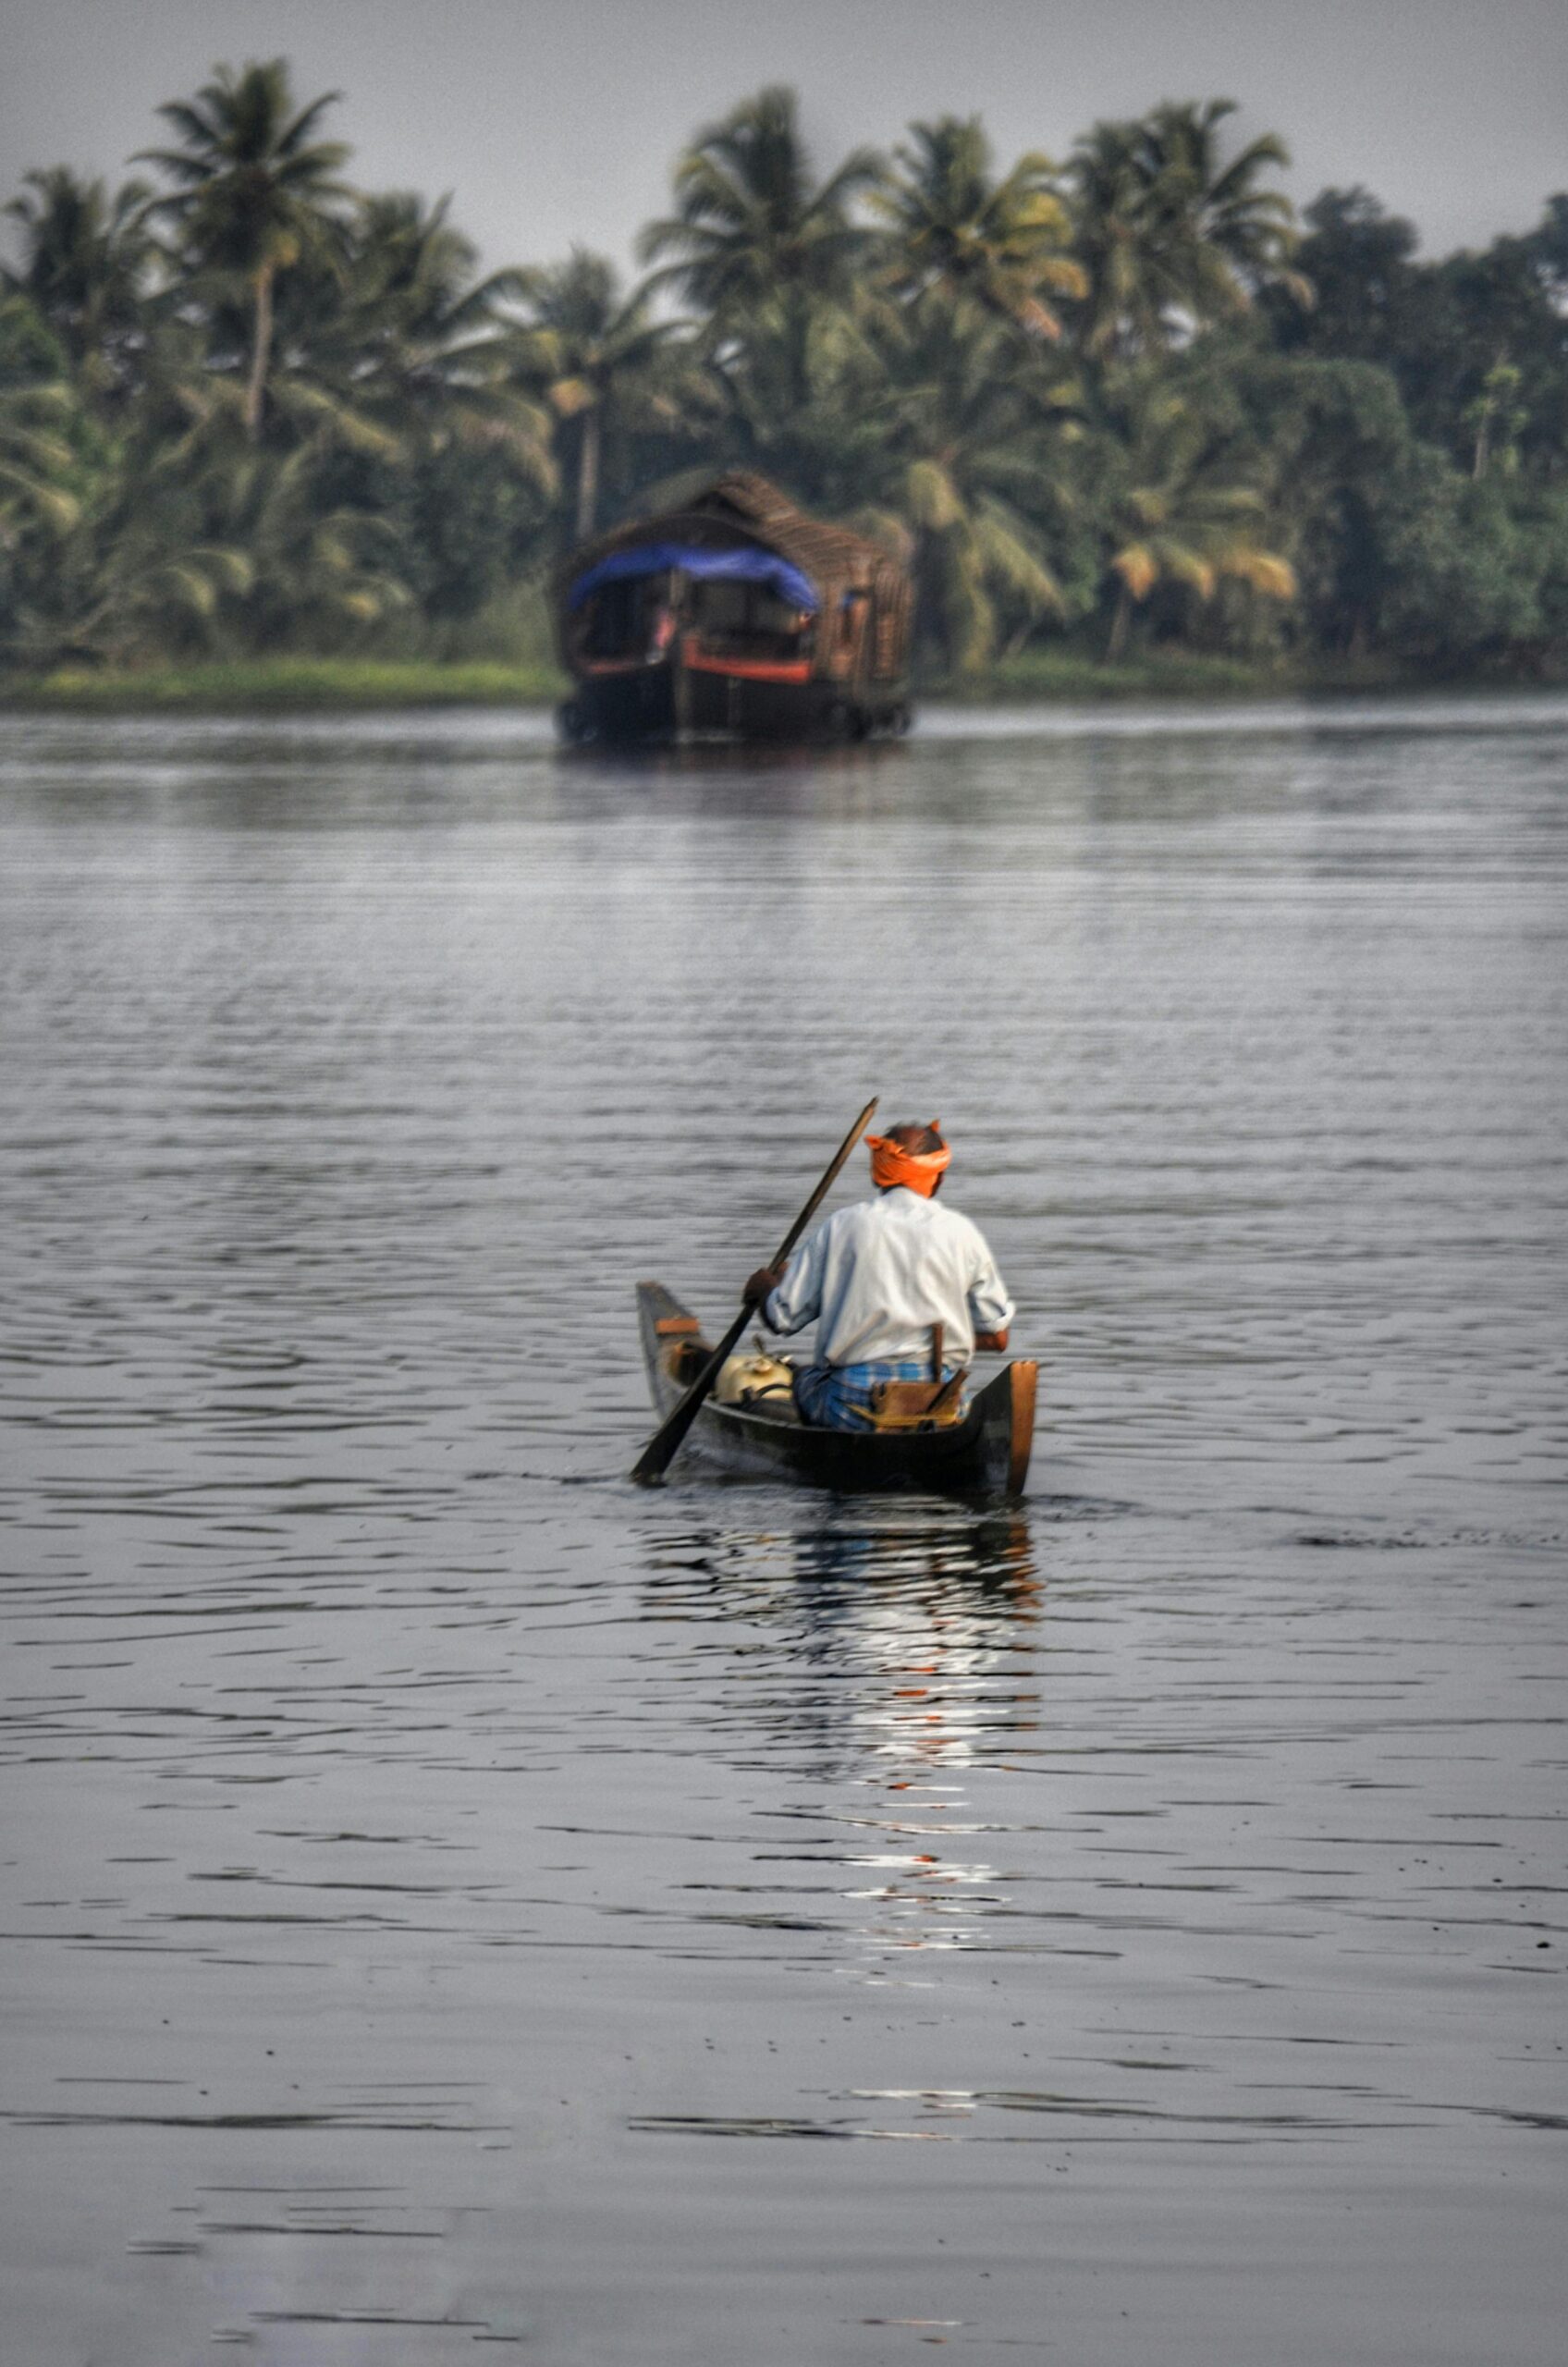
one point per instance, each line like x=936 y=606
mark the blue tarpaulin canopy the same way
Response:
x=747 y=566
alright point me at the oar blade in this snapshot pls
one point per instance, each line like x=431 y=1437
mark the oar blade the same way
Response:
x=663 y=1447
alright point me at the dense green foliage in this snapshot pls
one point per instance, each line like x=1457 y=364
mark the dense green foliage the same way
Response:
x=1121 y=406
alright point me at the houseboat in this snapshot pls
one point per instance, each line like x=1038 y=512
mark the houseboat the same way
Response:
x=734 y=617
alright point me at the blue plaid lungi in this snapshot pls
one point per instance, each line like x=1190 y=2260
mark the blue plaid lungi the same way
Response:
x=838 y=1397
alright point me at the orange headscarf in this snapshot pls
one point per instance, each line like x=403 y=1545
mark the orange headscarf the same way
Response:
x=918 y=1170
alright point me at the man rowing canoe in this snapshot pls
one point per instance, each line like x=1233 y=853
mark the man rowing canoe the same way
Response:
x=883 y=1281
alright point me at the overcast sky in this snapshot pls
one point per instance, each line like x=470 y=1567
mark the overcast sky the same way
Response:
x=554 y=121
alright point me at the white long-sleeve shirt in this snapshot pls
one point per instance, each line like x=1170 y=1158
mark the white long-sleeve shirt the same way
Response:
x=876 y=1278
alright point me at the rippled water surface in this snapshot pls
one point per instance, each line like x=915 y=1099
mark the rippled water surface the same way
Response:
x=451 y=1897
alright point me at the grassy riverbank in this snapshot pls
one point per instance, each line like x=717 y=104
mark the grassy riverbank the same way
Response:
x=246 y=685
x=285 y=684
x=1051 y=675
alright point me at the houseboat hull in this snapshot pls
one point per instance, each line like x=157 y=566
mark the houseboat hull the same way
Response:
x=666 y=704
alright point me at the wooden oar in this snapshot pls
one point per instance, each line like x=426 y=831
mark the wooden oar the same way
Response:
x=657 y=1455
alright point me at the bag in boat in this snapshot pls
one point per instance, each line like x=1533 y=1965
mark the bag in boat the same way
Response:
x=762 y=1382
x=917 y=1404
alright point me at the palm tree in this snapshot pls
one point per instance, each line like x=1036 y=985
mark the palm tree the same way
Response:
x=955 y=228
x=412 y=340
x=1123 y=237
x=267 y=546
x=101 y=560
x=1170 y=233
x=967 y=479
x=405 y=300
x=749 y=220
x=1232 y=236
x=150 y=589
x=1178 y=510
x=599 y=359
x=323 y=570
x=37 y=408
x=256 y=193
x=86 y=257
x=807 y=396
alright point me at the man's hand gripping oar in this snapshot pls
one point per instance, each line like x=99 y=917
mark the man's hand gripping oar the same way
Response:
x=659 y=1452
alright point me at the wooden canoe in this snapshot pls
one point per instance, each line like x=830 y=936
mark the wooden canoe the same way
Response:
x=987 y=1452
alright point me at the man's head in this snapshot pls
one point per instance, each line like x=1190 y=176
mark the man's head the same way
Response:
x=913 y=1155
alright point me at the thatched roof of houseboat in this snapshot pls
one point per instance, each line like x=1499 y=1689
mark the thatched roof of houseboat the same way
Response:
x=741 y=502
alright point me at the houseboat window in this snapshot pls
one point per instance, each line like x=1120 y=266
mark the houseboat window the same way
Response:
x=722 y=607
x=748 y=619
x=621 y=616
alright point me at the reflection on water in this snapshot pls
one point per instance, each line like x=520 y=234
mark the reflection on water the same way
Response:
x=902 y=1645
x=421 y=1844
x=908 y=1623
